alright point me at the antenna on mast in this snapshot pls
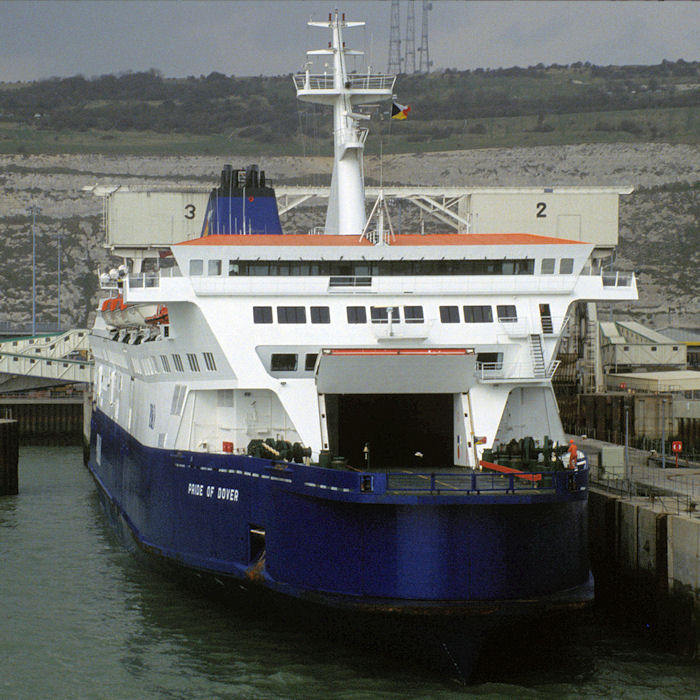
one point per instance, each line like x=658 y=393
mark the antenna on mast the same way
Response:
x=343 y=91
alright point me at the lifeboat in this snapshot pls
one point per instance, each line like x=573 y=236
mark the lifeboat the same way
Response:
x=120 y=315
x=160 y=316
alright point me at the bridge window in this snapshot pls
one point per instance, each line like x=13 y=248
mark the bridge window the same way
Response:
x=360 y=272
x=449 y=314
x=357 y=314
x=291 y=314
x=262 y=314
x=320 y=314
x=196 y=268
x=214 y=268
x=283 y=362
x=506 y=313
x=310 y=361
x=380 y=314
x=547 y=267
x=566 y=266
x=413 y=314
x=478 y=314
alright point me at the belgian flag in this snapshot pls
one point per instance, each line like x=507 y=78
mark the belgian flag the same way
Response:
x=399 y=111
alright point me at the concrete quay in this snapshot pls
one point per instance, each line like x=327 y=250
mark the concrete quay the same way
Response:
x=644 y=537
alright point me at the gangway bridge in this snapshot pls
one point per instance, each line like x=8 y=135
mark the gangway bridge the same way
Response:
x=31 y=362
x=141 y=220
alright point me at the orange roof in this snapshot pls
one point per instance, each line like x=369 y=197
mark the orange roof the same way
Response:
x=290 y=239
x=402 y=240
x=477 y=239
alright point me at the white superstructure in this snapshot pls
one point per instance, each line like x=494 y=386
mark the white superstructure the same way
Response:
x=436 y=346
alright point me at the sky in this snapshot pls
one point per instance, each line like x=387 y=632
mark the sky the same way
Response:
x=182 y=37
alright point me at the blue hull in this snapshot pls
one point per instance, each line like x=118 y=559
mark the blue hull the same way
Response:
x=346 y=539
x=427 y=573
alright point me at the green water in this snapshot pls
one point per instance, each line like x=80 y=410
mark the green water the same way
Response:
x=81 y=618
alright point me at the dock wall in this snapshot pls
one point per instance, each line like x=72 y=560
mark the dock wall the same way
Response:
x=47 y=421
x=646 y=563
x=9 y=457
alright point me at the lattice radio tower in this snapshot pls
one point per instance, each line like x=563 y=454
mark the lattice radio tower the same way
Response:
x=409 y=62
x=424 y=61
x=394 y=65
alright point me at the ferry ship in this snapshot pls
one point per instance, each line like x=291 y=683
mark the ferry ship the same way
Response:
x=351 y=420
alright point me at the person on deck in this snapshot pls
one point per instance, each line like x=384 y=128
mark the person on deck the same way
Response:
x=573 y=454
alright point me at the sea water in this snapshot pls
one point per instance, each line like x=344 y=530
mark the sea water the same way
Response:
x=80 y=617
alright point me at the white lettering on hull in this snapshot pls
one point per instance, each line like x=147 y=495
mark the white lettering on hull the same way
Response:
x=222 y=493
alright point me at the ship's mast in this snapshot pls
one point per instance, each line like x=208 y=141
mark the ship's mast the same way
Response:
x=346 y=203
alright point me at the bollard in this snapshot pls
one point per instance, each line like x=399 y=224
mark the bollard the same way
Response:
x=9 y=456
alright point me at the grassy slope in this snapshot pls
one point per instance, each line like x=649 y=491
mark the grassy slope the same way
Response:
x=668 y=125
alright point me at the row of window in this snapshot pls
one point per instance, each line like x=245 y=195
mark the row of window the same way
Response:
x=382 y=314
x=149 y=366
x=379 y=268
x=289 y=361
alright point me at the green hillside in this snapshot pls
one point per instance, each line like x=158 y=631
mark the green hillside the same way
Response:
x=541 y=105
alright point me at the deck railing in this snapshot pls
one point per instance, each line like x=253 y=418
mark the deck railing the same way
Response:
x=617 y=279
x=349 y=281
x=476 y=482
x=496 y=371
x=326 y=81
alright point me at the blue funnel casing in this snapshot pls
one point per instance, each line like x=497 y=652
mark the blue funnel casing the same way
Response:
x=242 y=204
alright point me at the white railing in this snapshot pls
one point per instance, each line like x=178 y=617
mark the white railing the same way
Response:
x=617 y=279
x=611 y=278
x=144 y=280
x=552 y=368
x=326 y=81
x=499 y=371
x=344 y=281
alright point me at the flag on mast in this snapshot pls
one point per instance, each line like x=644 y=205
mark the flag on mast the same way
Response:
x=399 y=111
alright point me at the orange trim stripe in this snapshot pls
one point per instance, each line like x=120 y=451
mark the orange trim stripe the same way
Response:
x=290 y=239
x=398 y=351
x=435 y=239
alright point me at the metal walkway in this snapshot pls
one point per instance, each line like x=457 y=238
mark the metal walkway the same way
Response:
x=60 y=357
x=645 y=475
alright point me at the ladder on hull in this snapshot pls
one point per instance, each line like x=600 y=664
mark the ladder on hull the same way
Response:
x=537 y=356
